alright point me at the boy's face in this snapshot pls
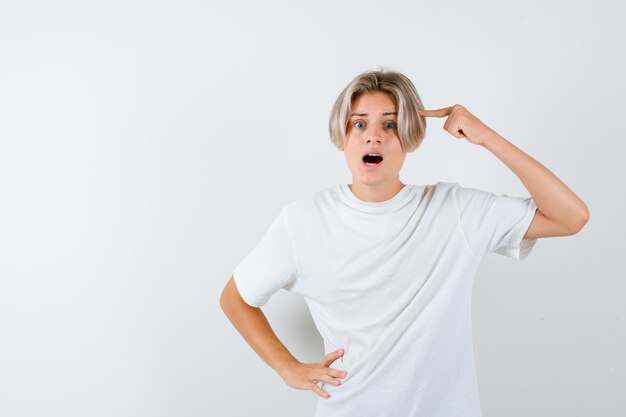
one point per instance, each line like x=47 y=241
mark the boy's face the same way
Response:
x=372 y=128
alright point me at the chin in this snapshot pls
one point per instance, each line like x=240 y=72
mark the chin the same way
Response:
x=370 y=180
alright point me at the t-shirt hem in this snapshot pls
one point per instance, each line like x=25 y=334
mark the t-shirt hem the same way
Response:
x=248 y=297
x=522 y=248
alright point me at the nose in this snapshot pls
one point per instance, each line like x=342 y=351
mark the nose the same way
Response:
x=371 y=140
x=374 y=134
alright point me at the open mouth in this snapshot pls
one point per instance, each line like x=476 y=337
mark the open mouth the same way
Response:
x=372 y=159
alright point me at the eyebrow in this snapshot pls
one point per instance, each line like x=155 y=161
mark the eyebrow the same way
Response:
x=391 y=113
x=384 y=114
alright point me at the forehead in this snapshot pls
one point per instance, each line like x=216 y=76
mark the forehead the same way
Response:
x=376 y=102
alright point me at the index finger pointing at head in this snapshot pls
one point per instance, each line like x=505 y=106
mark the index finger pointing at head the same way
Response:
x=443 y=112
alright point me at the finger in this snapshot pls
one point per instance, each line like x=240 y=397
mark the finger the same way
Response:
x=337 y=373
x=452 y=126
x=331 y=357
x=443 y=112
x=318 y=390
x=327 y=378
x=450 y=121
x=454 y=131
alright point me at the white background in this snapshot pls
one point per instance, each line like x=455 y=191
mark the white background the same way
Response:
x=145 y=147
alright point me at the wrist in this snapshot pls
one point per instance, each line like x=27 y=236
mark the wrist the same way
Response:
x=491 y=139
x=283 y=368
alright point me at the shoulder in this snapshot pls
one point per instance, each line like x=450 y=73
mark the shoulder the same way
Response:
x=446 y=189
x=458 y=190
x=445 y=185
x=459 y=195
x=310 y=203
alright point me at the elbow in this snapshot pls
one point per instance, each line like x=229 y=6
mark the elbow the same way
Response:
x=584 y=217
x=582 y=221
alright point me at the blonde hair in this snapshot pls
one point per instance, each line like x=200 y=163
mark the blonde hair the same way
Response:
x=411 y=125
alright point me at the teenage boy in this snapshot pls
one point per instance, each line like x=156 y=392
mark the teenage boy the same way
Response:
x=387 y=268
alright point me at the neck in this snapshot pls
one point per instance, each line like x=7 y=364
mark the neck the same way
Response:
x=377 y=192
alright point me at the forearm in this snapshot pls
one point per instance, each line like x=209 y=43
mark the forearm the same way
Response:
x=553 y=198
x=254 y=327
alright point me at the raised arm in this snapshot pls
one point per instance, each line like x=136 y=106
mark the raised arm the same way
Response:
x=560 y=211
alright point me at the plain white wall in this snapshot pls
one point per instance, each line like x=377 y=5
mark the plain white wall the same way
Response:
x=145 y=148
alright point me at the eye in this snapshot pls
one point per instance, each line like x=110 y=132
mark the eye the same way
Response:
x=356 y=124
x=390 y=125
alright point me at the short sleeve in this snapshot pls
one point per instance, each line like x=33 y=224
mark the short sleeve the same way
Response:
x=269 y=266
x=495 y=223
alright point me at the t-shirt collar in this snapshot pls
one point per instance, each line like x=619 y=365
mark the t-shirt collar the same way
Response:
x=392 y=204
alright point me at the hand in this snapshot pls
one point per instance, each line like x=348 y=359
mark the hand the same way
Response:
x=461 y=123
x=307 y=375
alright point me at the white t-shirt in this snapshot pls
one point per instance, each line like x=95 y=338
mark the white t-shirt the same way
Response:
x=391 y=283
